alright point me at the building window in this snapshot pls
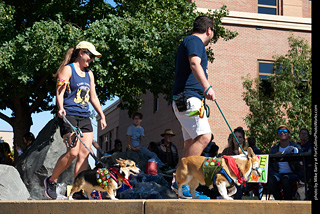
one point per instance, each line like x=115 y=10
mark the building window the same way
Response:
x=155 y=104
x=268 y=7
x=109 y=141
x=265 y=71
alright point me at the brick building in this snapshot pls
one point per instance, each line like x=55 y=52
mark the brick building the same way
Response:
x=264 y=27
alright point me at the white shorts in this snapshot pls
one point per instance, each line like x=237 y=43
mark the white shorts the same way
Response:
x=194 y=126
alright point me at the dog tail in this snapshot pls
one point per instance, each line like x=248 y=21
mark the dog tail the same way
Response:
x=182 y=170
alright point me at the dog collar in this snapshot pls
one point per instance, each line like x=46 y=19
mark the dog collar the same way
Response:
x=120 y=177
x=256 y=168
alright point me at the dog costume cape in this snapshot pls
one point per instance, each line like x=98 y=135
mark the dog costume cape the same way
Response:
x=233 y=166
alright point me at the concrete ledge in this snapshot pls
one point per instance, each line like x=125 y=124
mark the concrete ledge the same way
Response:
x=156 y=207
x=229 y=207
x=72 y=207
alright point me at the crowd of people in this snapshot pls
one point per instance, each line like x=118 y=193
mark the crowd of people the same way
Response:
x=283 y=176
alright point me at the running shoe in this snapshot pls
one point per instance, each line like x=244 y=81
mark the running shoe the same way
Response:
x=50 y=188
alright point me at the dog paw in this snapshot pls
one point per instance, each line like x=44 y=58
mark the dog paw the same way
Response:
x=228 y=198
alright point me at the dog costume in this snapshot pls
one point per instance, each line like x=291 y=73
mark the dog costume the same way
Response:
x=212 y=166
x=103 y=176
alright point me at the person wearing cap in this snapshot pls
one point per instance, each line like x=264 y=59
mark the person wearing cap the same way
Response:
x=166 y=150
x=75 y=89
x=284 y=173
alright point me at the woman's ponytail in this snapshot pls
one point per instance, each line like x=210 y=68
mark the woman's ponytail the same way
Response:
x=70 y=57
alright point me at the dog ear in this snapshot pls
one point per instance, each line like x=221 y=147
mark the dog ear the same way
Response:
x=250 y=152
x=119 y=160
x=240 y=151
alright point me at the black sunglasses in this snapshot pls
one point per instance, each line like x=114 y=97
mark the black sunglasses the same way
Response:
x=89 y=54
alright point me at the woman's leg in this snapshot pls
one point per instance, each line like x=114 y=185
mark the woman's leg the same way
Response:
x=82 y=161
x=66 y=159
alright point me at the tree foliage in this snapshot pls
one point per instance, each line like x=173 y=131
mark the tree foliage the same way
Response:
x=290 y=100
x=138 y=41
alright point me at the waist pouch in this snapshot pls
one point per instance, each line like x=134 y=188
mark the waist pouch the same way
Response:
x=181 y=101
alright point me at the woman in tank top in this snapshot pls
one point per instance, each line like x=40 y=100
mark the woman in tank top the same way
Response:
x=75 y=89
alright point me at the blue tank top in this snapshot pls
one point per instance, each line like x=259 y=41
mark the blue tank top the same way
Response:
x=77 y=102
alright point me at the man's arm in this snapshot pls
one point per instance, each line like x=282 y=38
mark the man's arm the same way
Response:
x=198 y=72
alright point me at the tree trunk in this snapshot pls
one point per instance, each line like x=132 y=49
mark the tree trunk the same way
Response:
x=21 y=123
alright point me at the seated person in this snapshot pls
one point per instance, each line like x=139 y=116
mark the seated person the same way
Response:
x=135 y=134
x=166 y=150
x=285 y=173
x=233 y=147
x=304 y=144
x=211 y=149
x=252 y=144
x=117 y=147
x=5 y=154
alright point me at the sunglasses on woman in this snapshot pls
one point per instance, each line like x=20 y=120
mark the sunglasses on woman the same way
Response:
x=282 y=130
x=89 y=54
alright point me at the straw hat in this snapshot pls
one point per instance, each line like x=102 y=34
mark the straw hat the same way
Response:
x=168 y=132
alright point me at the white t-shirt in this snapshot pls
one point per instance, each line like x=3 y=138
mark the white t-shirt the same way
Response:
x=135 y=133
x=284 y=166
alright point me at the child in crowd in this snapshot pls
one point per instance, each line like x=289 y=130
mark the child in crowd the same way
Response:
x=135 y=134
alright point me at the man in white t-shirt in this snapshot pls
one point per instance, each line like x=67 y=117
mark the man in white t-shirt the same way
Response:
x=285 y=173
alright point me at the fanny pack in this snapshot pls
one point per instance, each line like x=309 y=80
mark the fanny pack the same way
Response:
x=181 y=101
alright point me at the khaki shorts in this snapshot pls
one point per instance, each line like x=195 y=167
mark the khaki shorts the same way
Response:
x=194 y=126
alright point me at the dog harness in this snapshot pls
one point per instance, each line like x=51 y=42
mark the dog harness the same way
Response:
x=120 y=177
x=212 y=166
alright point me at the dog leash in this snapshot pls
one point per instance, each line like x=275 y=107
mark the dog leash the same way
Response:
x=207 y=109
x=79 y=134
x=230 y=129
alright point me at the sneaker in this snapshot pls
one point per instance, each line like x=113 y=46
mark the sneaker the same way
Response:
x=186 y=192
x=50 y=188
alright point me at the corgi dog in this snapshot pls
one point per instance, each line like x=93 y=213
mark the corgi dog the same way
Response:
x=230 y=170
x=105 y=180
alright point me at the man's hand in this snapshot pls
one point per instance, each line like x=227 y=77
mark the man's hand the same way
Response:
x=210 y=94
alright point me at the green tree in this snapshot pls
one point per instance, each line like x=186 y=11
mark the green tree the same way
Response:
x=290 y=100
x=138 y=41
